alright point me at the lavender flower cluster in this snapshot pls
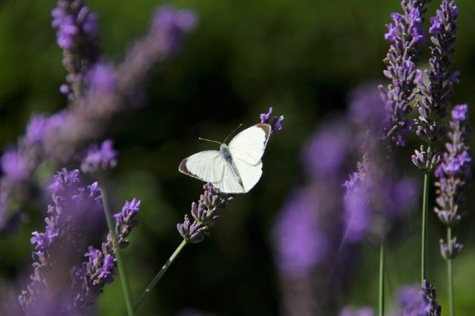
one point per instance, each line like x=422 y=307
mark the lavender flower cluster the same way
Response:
x=98 y=91
x=67 y=279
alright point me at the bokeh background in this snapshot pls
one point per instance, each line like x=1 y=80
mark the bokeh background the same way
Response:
x=303 y=58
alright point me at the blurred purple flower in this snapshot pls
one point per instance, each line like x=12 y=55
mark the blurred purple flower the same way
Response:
x=351 y=311
x=14 y=166
x=454 y=174
x=66 y=280
x=77 y=36
x=95 y=103
x=374 y=196
x=414 y=301
x=101 y=78
x=327 y=150
x=100 y=159
x=299 y=244
x=169 y=24
x=365 y=105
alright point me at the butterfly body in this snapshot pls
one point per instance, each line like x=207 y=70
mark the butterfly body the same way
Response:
x=235 y=168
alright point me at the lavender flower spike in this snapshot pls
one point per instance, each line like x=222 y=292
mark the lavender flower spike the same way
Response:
x=99 y=160
x=453 y=175
x=77 y=37
x=206 y=213
x=415 y=301
x=273 y=122
x=406 y=36
x=435 y=95
x=67 y=279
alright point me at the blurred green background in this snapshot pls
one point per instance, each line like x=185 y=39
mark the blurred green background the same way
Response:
x=300 y=57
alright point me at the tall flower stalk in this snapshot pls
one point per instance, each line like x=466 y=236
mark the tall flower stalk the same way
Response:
x=453 y=175
x=434 y=103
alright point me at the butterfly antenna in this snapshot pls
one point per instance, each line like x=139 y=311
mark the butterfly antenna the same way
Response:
x=209 y=140
x=232 y=133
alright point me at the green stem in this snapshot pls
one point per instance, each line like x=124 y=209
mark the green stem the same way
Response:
x=425 y=210
x=120 y=263
x=450 y=281
x=159 y=275
x=381 y=279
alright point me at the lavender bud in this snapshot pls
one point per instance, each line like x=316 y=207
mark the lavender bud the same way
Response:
x=273 y=122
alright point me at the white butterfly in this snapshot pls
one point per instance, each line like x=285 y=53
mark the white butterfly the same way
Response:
x=235 y=168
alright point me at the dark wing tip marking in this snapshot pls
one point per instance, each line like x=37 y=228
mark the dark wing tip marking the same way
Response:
x=183 y=169
x=267 y=130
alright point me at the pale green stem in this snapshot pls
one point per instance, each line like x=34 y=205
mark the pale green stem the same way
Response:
x=425 y=210
x=159 y=275
x=120 y=263
x=450 y=281
x=381 y=279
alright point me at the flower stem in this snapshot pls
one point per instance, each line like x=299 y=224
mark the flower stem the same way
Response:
x=381 y=279
x=159 y=275
x=120 y=263
x=425 y=210
x=450 y=281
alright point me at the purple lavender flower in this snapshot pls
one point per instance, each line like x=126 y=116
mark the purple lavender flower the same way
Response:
x=453 y=175
x=374 y=199
x=98 y=93
x=328 y=149
x=363 y=311
x=273 y=122
x=77 y=37
x=99 y=160
x=206 y=213
x=169 y=24
x=66 y=279
x=14 y=166
x=406 y=36
x=435 y=96
x=414 y=301
x=299 y=243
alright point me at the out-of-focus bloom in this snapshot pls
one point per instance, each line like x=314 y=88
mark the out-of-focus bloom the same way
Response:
x=374 y=199
x=273 y=122
x=453 y=175
x=98 y=93
x=100 y=159
x=169 y=24
x=14 y=165
x=77 y=36
x=67 y=279
x=299 y=243
x=406 y=37
x=351 y=311
x=435 y=95
x=375 y=196
x=414 y=301
x=331 y=146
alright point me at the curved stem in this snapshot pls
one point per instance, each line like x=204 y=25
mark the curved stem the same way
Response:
x=450 y=281
x=159 y=275
x=120 y=263
x=425 y=210
x=381 y=279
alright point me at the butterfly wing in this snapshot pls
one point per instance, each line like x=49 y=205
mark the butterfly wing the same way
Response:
x=231 y=182
x=249 y=145
x=207 y=166
x=249 y=174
